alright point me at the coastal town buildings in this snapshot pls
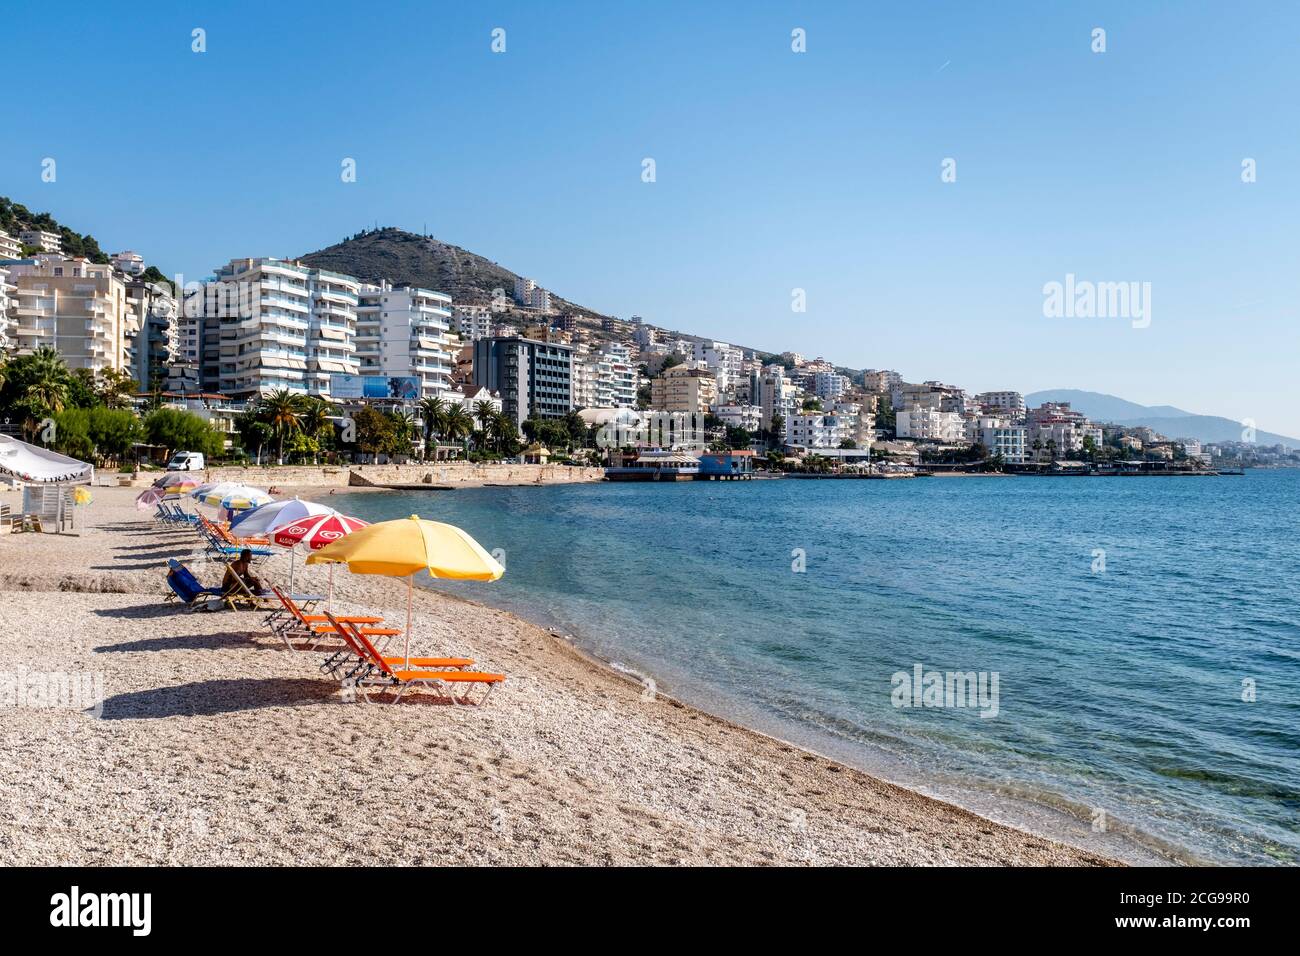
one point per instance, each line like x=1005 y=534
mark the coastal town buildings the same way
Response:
x=277 y=324
x=7 y=317
x=814 y=431
x=829 y=386
x=155 y=332
x=529 y=294
x=881 y=382
x=720 y=358
x=748 y=417
x=42 y=240
x=10 y=247
x=685 y=389
x=127 y=262
x=471 y=322
x=1012 y=403
x=73 y=305
x=403 y=332
x=926 y=423
x=534 y=379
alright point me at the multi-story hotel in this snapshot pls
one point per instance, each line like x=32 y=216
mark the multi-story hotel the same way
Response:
x=926 y=423
x=528 y=293
x=6 y=317
x=155 y=342
x=131 y=263
x=45 y=241
x=722 y=359
x=10 y=248
x=75 y=306
x=472 y=322
x=814 y=431
x=280 y=325
x=1013 y=403
x=403 y=332
x=534 y=379
x=692 y=391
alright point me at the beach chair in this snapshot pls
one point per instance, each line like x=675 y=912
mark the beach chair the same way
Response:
x=186 y=586
x=348 y=660
x=314 y=627
x=281 y=615
x=241 y=595
x=218 y=548
x=378 y=672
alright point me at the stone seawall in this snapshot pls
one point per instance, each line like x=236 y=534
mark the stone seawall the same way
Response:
x=440 y=473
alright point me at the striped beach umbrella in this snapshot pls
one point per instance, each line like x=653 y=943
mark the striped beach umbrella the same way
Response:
x=178 y=483
x=315 y=531
x=267 y=518
x=148 y=499
x=240 y=499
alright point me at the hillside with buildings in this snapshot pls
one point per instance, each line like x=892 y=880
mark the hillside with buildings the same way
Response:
x=404 y=258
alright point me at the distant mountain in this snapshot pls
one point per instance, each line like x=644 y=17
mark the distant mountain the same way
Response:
x=1166 y=419
x=403 y=257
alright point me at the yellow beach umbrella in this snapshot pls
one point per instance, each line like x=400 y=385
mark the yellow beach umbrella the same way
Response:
x=403 y=547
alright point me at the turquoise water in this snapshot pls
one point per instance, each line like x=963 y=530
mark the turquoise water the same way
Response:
x=1120 y=716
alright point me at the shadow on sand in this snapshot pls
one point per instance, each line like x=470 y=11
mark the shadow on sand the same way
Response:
x=189 y=642
x=210 y=697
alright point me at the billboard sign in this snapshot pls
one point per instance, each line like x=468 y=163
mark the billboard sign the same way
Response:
x=401 y=388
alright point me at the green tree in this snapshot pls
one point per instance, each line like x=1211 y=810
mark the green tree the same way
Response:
x=282 y=410
x=374 y=431
x=434 y=412
x=177 y=430
x=114 y=432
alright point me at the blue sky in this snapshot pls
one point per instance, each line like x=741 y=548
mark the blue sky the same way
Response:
x=775 y=170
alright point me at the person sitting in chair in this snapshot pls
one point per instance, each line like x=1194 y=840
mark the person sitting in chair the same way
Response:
x=241 y=571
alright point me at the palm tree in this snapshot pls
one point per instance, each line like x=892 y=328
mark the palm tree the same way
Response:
x=484 y=411
x=434 y=411
x=405 y=427
x=457 y=424
x=314 y=420
x=47 y=380
x=283 y=411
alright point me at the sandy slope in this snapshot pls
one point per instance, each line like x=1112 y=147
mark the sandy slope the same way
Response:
x=216 y=744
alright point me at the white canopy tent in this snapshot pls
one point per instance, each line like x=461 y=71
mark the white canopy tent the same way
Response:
x=47 y=477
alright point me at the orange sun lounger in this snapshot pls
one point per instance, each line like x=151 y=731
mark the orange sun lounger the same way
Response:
x=314 y=626
x=379 y=671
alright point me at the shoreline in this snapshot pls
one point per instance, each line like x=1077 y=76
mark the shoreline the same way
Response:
x=567 y=764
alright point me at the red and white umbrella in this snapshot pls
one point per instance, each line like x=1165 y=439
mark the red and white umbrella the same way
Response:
x=315 y=531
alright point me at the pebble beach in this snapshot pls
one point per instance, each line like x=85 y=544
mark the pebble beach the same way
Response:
x=216 y=744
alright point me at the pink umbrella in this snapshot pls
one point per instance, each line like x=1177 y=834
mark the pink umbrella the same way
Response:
x=149 y=498
x=316 y=531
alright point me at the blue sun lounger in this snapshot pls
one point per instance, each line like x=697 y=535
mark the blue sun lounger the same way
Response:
x=186 y=586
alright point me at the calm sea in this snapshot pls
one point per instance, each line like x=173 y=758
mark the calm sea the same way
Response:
x=1144 y=632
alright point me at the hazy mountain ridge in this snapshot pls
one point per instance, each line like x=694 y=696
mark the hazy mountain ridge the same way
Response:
x=1166 y=419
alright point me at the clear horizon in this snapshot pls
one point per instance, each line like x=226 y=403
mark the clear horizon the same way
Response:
x=775 y=170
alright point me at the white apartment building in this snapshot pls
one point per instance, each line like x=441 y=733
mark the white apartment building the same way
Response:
x=10 y=248
x=814 y=431
x=1013 y=403
x=775 y=394
x=829 y=386
x=748 y=417
x=472 y=322
x=278 y=325
x=1000 y=437
x=332 y=328
x=528 y=293
x=724 y=360
x=404 y=332
x=72 y=305
x=6 y=316
x=923 y=423
x=128 y=262
x=45 y=241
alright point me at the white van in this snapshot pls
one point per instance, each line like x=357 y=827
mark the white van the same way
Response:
x=186 y=461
